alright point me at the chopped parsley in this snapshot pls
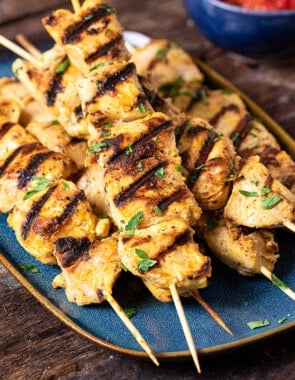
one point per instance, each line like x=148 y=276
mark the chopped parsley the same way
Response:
x=130 y=313
x=160 y=173
x=107 y=8
x=265 y=190
x=55 y=122
x=277 y=282
x=204 y=96
x=89 y=17
x=98 y=84
x=140 y=166
x=141 y=108
x=97 y=147
x=157 y=210
x=271 y=201
x=29 y=268
x=231 y=177
x=98 y=66
x=65 y=186
x=161 y=53
x=253 y=126
x=227 y=91
x=156 y=138
x=212 y=223
x=134 y=222
x=172 y=89
x=180 y=169
x=255 y=182
x=106 y=133
x=145 y=263
x=282 y=320
x=41 y=184
x=123 y=266
x=248 y=193
x=129 y=149
x=257 y=324
x=61 y=68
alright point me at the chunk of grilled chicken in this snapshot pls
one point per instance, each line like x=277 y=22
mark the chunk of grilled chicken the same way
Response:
x=280 y=165
x=243 y=249
x=53 y=135
x=170 y=68
x=262 y=201
x=173 y=258
x=60 y=210
x=140 y=162
x=53 y=84
x=209 y=163
x=91 y=36
x=12 y=89
x=10 y=109
x=89 y=269
x=112 y=93
x=22 y=158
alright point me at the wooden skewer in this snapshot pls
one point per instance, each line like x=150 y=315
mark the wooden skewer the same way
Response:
x=185 y=326
x=17 y=50
x=290 y=225
x=196 y=295
x=130 y=326
x=22 y=39
x=76 y=5
x=279 y=283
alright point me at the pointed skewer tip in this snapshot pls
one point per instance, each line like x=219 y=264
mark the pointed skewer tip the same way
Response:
x=76 y=5
x=130 y=326
x=185 y=326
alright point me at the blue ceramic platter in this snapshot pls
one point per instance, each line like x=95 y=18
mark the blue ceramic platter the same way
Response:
x=237 y=299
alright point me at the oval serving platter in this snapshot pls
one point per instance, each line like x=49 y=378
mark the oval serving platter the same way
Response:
x=237 y=299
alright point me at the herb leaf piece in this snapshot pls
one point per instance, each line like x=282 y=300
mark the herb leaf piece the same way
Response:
x=271 y=201
x=61 y=68
x=130 y=313
x=134 y=222
x=41 y=185
x=145 y=264
x=248 y=193
x=29 y=268
x=97 y=147
x=257 y=324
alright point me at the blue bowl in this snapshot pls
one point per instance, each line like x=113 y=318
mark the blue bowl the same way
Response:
x=247 y=32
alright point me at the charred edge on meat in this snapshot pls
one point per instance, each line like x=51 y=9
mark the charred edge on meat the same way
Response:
x=205 y=150
x=55 y=87
x=241 y=131
x=5 y=128
x=35 y=161
x=27 y=148
x=128 y=193
x=174 y=197
x=228 y=108
x=111 y=48
x=142 y=148
x=111 y=82
x=35 y=210
x=78 y=112
x=73 y=33
x=70 y=250
x=153 y=98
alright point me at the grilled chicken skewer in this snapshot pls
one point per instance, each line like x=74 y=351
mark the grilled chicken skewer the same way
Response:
x=113 y=95
x=228 y=114
x=53 y=221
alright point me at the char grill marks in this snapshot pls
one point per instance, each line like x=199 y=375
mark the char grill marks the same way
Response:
x=228 y=108
x=24 y=149
x=109 y=84
x=55 y=87
x=242 y=130
x=70 y=250
x=147 y=179
x=73 y=33
x=34 y=212
x=5 y=128
x=35 y=161
x=52 y=224
x=112 y=48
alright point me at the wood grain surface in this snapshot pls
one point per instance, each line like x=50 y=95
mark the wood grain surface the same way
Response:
x=33 y=343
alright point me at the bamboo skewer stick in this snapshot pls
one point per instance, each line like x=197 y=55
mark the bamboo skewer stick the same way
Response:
x=130 y=326
x=14 y=48
x=76 y=5
x=185 y=326
x=279 y=283
x=30 y=48
x=290 y=225
x=196 y=295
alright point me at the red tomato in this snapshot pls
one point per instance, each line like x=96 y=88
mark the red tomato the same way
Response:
x=264 y=4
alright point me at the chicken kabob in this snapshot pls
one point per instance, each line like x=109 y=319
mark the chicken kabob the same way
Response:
x=54 y=222
x=91 y=177
x=247 y=250
x=139 y=172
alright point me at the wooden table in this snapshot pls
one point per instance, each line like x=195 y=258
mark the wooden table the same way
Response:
x=35 y=345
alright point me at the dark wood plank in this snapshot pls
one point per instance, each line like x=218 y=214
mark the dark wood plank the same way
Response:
x=33 y=343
